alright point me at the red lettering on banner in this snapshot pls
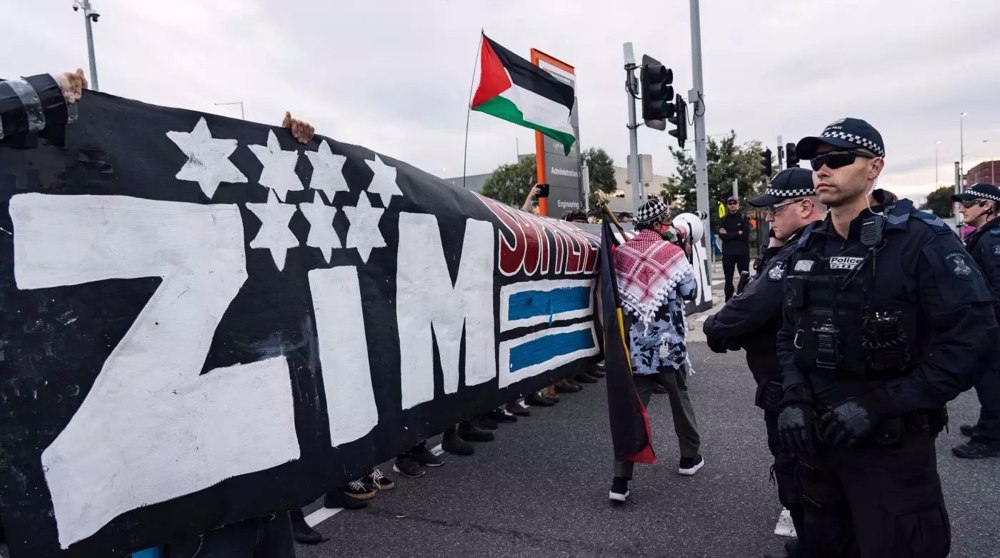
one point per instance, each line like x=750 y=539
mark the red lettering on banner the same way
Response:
x=527 y=243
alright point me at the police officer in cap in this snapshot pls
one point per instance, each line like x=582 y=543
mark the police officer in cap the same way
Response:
x=980 y=207
x=886 y=318
x=751 y=320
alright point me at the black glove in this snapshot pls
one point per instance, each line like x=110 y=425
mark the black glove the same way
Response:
x=717 y=344
x=848 y=422
x=796 y=424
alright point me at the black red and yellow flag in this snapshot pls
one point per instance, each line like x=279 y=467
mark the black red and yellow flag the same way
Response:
x=630 y=432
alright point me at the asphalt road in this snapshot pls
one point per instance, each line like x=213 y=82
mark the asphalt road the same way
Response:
x=540 y=489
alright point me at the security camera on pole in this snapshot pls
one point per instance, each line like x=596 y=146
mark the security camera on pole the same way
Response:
x=89 y=15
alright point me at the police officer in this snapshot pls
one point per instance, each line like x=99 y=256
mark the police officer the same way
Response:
x=885 y=320
x=751 y=319
x=980 y=208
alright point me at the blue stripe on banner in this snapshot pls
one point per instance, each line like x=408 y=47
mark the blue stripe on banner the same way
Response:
x=548 y=347
x=529 y=304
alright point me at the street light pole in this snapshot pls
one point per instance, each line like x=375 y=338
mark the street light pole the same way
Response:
x=961 y=149
x=89 y=15
x=993 y=170
x=936 y=145
x=240 y=103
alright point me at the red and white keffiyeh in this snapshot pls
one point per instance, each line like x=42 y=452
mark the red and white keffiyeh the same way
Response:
x=648 y=270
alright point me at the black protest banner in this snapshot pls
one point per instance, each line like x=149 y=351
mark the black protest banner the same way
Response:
x=206 y=321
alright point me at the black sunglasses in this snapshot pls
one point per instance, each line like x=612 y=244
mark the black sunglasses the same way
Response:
x=837 y=159
x=971 y=203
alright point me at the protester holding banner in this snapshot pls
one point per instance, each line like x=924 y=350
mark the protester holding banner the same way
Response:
x=40 y=104
x=653 y=278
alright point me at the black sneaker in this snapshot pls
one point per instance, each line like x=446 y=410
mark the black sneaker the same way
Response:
x=619 y=490
x=470 y=433
x=600 y=367
x=584 y=379
x=967 y=430
x=517 y=410
x=425 y=457
x=538 y=400
x=596 y=372
x=301 y=531
x=976 y=449
x=408 y=468
x=357 y=490
x=453 y=443
x=377 y=481
x=486 y=422
x=496 y=415
x=339 y=499
x=690 y=465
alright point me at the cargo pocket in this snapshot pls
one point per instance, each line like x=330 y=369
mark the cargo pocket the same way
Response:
x=917 y=523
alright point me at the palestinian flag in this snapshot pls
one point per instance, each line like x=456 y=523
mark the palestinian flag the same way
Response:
x=516 y=90
x=631 y=436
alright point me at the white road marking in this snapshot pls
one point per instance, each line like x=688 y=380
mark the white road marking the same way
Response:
x=785 y=527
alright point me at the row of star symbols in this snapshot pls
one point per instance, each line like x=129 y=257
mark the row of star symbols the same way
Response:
x=209 y=165
x=275 y=236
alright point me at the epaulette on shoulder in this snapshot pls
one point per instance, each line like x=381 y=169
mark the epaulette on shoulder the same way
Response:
x=803 y=240
x=932 y=221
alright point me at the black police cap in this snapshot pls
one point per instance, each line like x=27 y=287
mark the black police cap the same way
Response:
x=846 y=133
x=980 y=191
x=786 y=185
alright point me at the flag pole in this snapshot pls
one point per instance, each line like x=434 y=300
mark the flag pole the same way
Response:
x=468 y=105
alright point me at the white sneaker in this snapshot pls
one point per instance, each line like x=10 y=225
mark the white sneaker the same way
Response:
x=690 y=465
x=619 y=490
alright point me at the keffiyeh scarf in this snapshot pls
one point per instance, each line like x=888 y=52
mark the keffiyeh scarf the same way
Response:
x=649 y=271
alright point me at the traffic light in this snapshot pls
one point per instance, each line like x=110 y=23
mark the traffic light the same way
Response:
x=657 y=93
x=792 y=158
x=765 y=163
x=679 y=119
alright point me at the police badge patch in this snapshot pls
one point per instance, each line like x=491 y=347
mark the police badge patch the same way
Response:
x=776 y=272
x=996 y=249
x=958 y=265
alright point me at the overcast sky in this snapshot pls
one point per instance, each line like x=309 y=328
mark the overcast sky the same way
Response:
x=395 y=75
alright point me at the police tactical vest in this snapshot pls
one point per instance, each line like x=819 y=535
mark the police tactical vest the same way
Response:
x=851 y=321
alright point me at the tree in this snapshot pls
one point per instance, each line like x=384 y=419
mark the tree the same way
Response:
x=727 y=161
x=939 y=201
x=510 y=184
x=601 y=168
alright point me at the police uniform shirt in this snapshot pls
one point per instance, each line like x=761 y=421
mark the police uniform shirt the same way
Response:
x=752 y=318
x=984 y=247
x=923 y=275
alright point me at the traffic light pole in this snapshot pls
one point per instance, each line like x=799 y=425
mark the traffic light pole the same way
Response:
x=696 y=98
x=633 y=139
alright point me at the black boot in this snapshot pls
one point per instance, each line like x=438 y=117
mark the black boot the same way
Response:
x=471 y=433
x=453 y=443
x=301 y=531
x=583 y=378
x=486 y=422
